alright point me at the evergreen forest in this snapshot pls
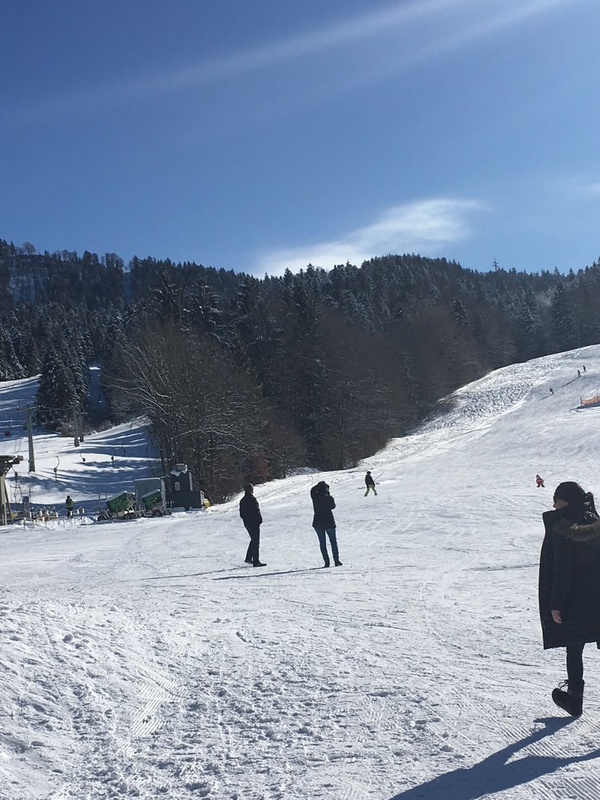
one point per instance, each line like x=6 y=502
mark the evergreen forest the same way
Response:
x=247 y=379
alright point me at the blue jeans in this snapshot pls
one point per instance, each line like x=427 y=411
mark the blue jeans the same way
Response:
x=323 y=544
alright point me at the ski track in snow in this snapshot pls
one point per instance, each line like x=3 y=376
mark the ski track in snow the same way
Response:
x=142 y=659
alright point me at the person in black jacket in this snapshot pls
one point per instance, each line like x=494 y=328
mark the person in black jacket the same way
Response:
x=569 y=585
x=370 y=483
x=250 y=514
x=323 y=521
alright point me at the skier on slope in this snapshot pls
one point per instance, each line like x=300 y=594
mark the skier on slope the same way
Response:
x=370 y=483
x=539 y=482
x=569 y=585
x=69 y=506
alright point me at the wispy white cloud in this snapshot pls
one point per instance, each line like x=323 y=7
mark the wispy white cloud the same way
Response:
x=457 y=23
x=589 y=191
x=492 y=15
x=571 y=188
x=425 y=226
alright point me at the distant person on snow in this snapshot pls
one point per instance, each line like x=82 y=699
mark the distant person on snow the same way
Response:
x=324 y=523
x=569 y=585
x=252 y=518
x=579 y=373
x=69 y=506
x=370 y=483
x=551 y=391
x=539 y=482
x=584 y=369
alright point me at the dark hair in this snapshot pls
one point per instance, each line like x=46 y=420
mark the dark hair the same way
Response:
x=571 y=493
x=248 y=488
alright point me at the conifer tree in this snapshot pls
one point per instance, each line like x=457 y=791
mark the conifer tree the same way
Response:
x=57 y=398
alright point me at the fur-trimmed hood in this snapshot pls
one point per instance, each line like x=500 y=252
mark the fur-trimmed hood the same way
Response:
x=569 y=577
x=587 y=533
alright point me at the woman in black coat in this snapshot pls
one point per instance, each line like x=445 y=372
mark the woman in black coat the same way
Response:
x=252 y=518
x=323 y=521
x=569 y=585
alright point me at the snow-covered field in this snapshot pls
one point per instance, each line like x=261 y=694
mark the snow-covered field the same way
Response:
x=145 y=659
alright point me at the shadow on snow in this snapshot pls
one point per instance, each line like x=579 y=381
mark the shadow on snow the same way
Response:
x=494 y=774
x=250 y=572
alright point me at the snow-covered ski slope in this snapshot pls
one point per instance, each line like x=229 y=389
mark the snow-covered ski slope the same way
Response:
x=102 y=465
x=144 y=659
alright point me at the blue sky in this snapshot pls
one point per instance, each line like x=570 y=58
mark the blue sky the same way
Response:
x=260 y=135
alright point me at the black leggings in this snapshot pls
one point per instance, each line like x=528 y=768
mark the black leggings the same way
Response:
x=575 y=663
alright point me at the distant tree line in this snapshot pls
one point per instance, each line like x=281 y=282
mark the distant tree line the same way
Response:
x=245 y=378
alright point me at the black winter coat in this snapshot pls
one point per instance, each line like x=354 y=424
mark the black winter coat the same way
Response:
x=569 y=579
x=323 y=505
x=250 y=510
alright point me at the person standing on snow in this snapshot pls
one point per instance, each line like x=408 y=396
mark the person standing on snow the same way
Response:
x=569 y=585
x=252 y=518
x=69 y=506
x=324 y=523
x=370 y=483
x=539 y=482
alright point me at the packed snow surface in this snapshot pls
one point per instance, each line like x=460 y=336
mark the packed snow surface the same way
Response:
x=145 y=659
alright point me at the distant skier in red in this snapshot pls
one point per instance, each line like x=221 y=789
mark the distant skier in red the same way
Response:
x=539 y=482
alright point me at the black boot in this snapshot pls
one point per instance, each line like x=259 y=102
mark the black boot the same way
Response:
x=570 y=700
